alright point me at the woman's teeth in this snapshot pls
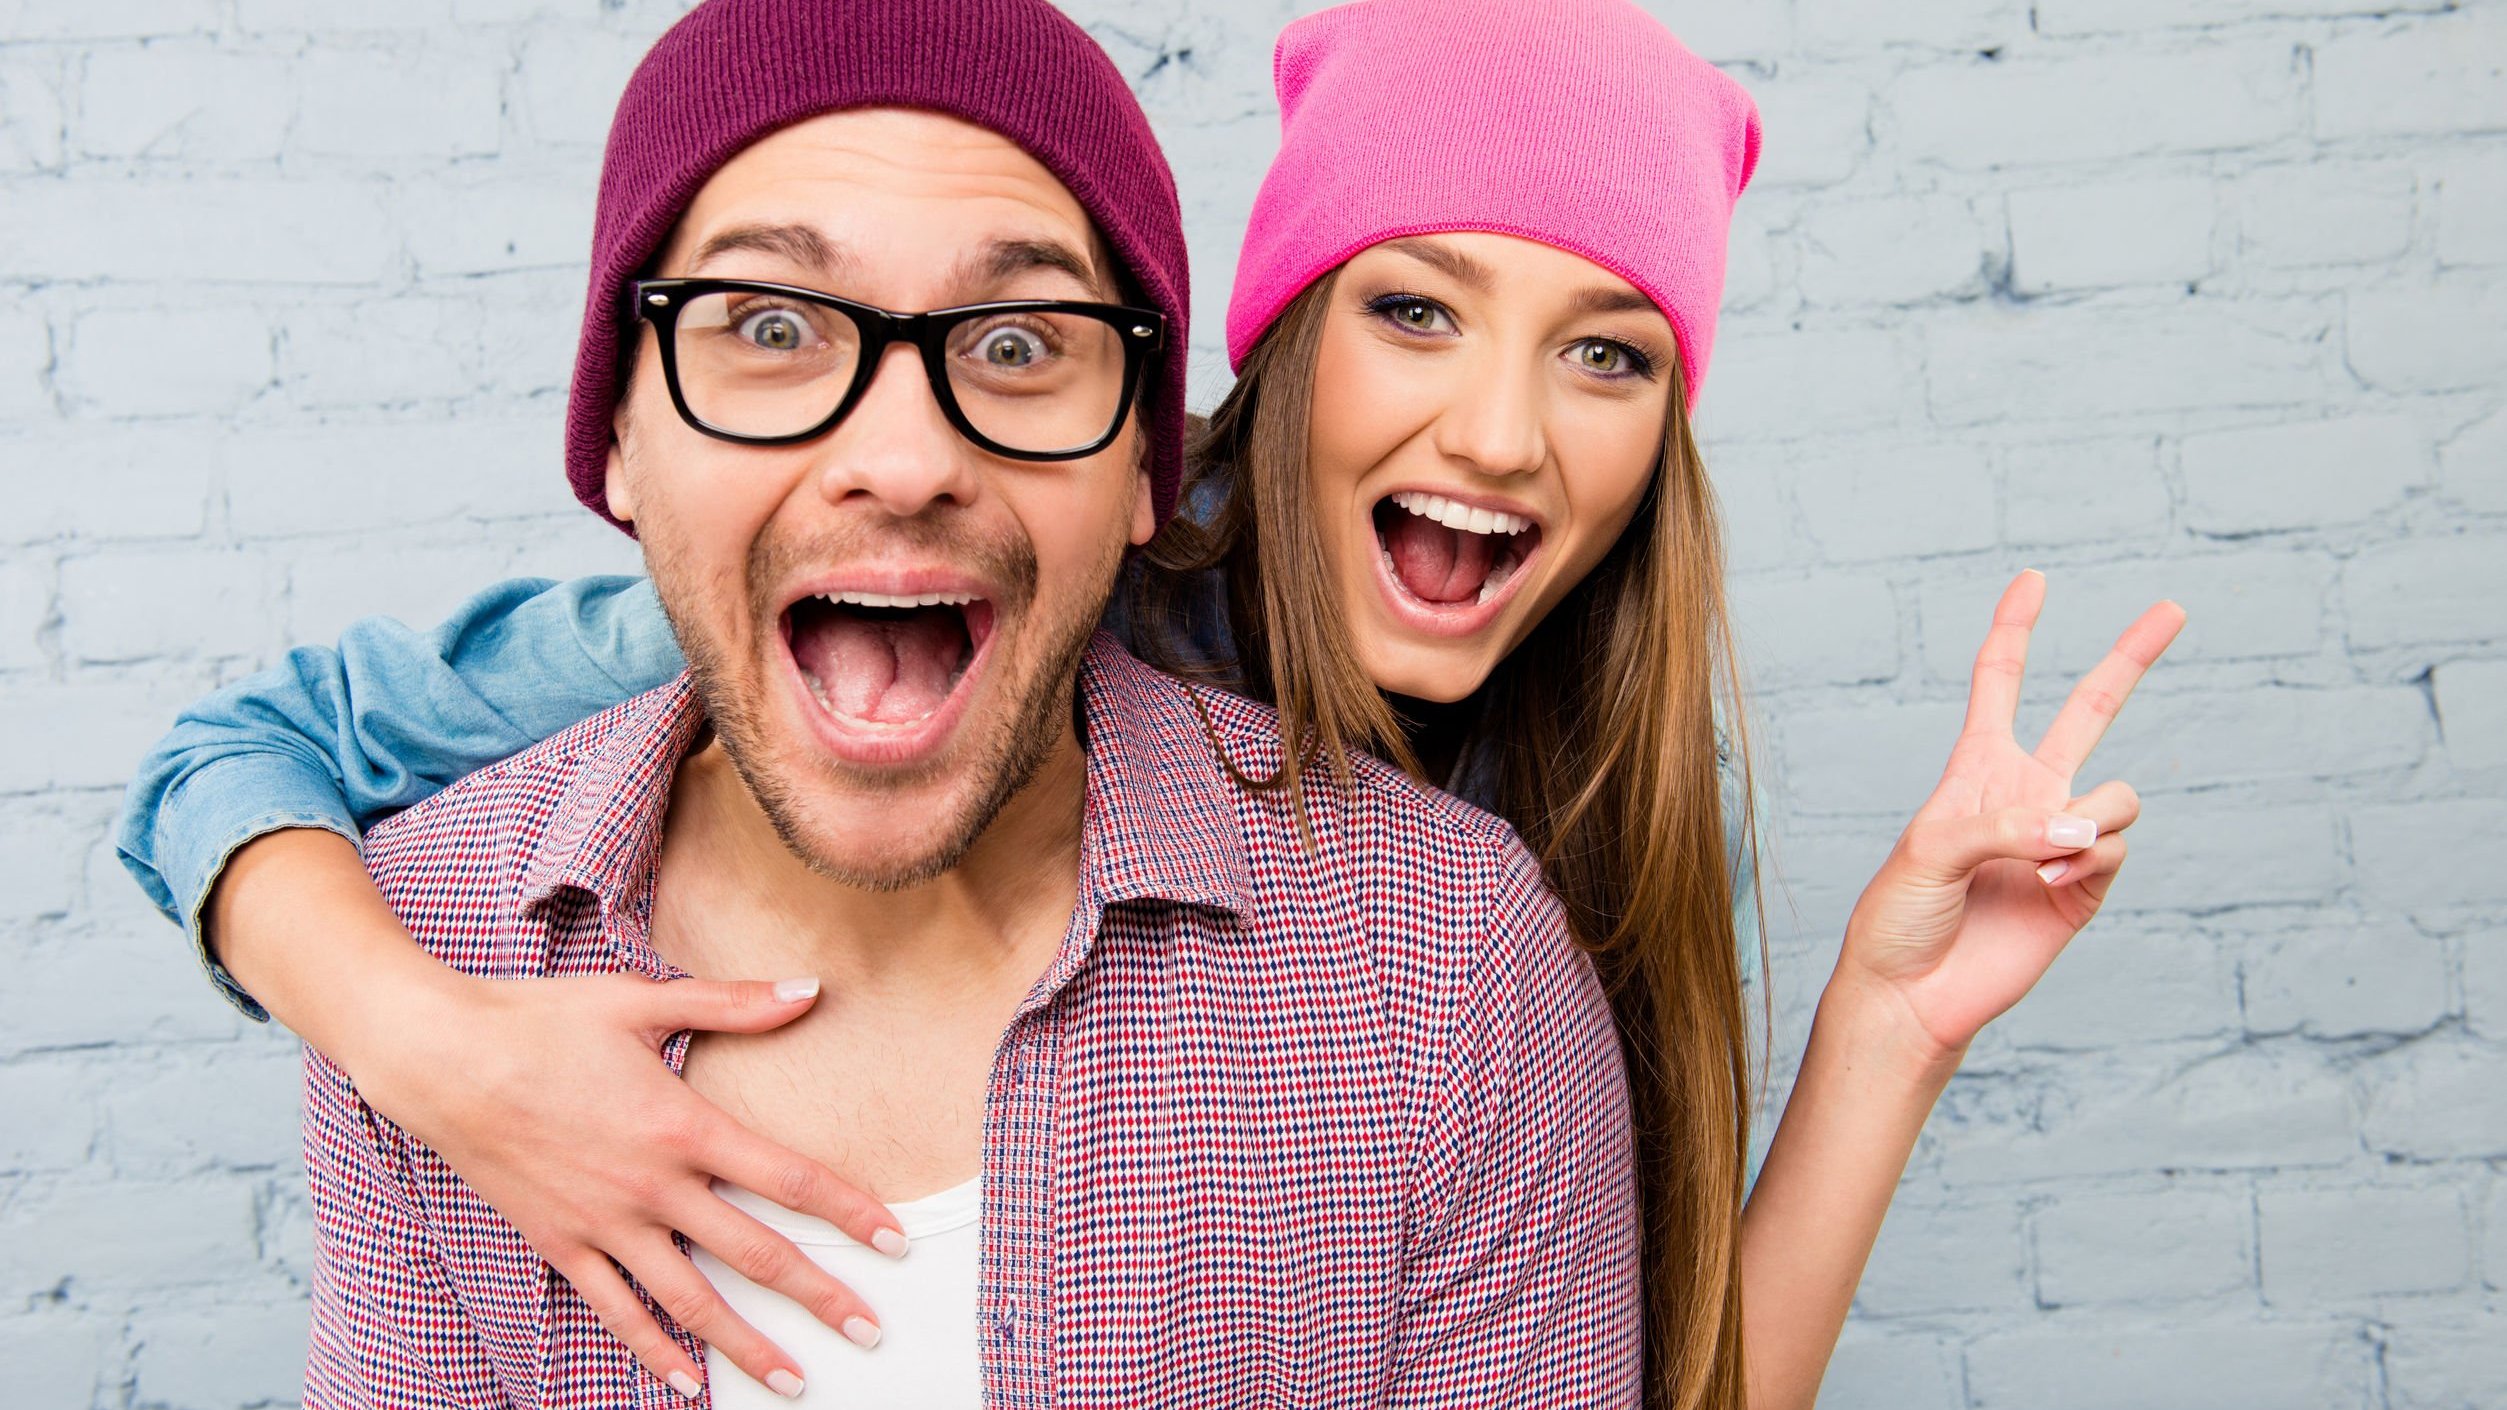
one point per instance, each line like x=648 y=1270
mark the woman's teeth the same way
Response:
x=1461 y=516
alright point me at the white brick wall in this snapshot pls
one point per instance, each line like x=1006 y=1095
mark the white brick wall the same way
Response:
x=2198 y=297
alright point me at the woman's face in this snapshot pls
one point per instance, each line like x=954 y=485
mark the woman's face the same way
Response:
x=1487 y=414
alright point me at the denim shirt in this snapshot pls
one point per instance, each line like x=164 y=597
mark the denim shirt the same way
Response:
x=340 y=738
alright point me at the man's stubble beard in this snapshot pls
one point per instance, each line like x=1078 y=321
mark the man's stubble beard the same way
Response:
x=1007 y=759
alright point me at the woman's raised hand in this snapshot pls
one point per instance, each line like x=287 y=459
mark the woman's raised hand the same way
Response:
x=2003 y=864
x=567 y=1120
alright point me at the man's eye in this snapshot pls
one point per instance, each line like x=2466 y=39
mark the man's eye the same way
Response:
x=1012 y=347
x=776 y=330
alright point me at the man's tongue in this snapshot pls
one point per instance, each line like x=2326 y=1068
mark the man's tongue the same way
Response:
x=891 y=668
x=1436 y=563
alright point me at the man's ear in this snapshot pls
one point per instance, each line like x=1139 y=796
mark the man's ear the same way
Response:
x=614 y=480
x=1144 y=511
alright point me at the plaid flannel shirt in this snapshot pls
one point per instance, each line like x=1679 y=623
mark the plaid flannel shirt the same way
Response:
x=1278 y=1126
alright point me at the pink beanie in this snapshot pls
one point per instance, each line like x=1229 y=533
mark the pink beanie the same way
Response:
x=1578 y=123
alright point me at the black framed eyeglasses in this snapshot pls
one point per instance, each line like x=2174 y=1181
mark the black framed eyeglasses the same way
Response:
x=773 y=364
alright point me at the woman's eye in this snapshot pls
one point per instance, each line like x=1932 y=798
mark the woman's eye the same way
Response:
x=1604 y=358
x=1011 y=347
x=1417 y=315
x=776 y=330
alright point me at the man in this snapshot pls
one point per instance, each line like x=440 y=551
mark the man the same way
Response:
x=1241 y=1120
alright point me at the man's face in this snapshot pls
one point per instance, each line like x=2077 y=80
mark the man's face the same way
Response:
x=881 y=739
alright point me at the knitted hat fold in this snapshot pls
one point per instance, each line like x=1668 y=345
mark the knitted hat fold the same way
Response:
x=733 y=71
x=1582 y=124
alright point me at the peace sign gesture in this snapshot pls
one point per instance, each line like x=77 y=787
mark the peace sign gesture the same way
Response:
x=2002 y=865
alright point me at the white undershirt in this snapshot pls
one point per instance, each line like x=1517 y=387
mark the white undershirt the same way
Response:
x=928 y=1357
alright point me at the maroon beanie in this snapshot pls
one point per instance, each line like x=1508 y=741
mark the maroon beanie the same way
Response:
x=733 y=71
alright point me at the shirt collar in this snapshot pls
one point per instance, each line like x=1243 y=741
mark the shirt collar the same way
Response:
x=1159 y=825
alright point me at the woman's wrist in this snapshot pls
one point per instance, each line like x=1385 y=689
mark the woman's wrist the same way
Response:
x=1868 y=1025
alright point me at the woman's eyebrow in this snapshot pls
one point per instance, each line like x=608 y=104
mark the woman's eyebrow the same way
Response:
x=1460 y=267
x=1597 y=299
x=797 y=243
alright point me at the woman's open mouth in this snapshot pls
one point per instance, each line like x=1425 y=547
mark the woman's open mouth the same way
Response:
x=888 y=669
x=1447 y=565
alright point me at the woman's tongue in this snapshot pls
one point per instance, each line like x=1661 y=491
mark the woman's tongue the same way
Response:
x=1436 y=563
x=890 y=669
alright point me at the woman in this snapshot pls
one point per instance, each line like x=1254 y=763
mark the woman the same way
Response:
x=1452 y=513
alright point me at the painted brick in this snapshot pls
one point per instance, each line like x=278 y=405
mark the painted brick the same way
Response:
x=2117 y=985
x=185 y=100
x=1979 y=113
x=1826 y=629
x=2472 y=711
x=1723 y=31
x=130 y=605
x=2324 y=212
x=2437 y=1099
x=2170 y=1245
x=25 y=363
x=238 y=1352
x=2472 y=212
x=2437 y=338
x=125 y=1234
x=2240 y=607
x=512 y=219
x=2293 y=475
x=2260 y=734
x=93 y=732
x=31 y=119
x=2065 y=492
x=2472 y=467
x=2485 y=995
x=2074 y=17
x=51 y=1104
x=1873 y=758
x=2333 y=1246
x=2457 y=1363
x=1847 y=499
x=2109 y=234
x=2345 y=981
x=141 y=482
x=2219 y=1362
x=254 y=230
x=55 y=1357
x=302 y=16
x=1817 y=130
x=1863 y=379
x=25 y=610
x=157 y=1123
x=353 y=478
x=2197 y=856
x=391 y=103
x=2088 y=362
x=1875 y=1372
x=2428 y=590
x=570 y=82
x=159 y=362
x=1843 y=25
x=1895 y=250
x=107 y=19
x=1945 y=1258
x=327 y=362
x=2426 y=853
x=2443 y=74
x=42 y=843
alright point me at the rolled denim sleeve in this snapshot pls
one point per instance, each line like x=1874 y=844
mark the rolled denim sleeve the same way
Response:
x=341 y=737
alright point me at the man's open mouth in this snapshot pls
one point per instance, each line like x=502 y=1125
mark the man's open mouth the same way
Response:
x=884 y=660
x=1449 y=555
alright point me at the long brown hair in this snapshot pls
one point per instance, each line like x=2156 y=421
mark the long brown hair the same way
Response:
x=1605 y=726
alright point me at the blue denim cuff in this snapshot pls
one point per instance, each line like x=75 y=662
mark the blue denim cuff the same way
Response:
x=217 y=809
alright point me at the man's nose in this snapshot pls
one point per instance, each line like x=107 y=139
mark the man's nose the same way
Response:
x=896 y=446
x=1494 y=421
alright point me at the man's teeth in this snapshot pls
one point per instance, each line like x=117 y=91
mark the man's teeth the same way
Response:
x=888 y=599
x=1461 y=516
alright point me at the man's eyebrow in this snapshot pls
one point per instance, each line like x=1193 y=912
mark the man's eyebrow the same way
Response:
x=797 y=243
x=1004 y=260
x=1460 y=267
x=1597 y=299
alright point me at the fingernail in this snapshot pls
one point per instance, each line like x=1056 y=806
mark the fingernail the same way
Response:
x=686 y=1385
x=862 y=1332
x=2064 y=830
x=889 y=1242
x=793 y=990
x=783 y=1383
x=2053 y=872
